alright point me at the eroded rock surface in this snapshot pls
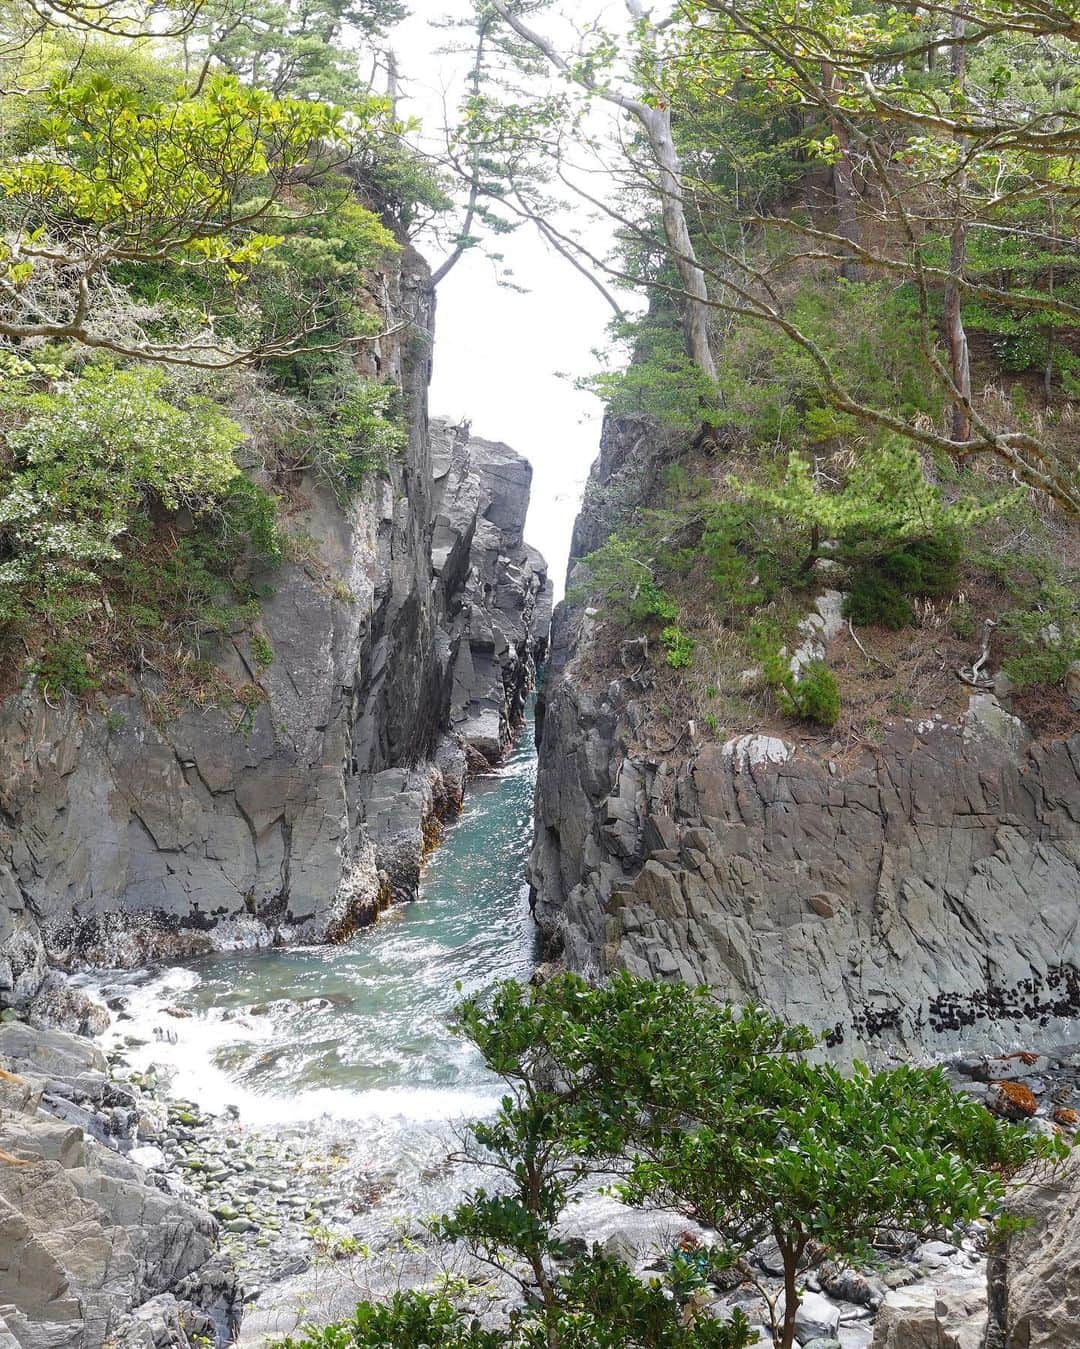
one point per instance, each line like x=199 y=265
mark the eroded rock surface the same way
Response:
x=1034 y=1277
x=402 y=643
x=92 y=1251
x=920 y=896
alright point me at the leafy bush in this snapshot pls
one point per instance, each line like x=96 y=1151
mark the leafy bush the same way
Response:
x=880 y=590
x=124 y=521
x=717 y=1114
x=815 y=695
x=678 y=647
x=748 y=565
x=261 y=650
x=1043 y=641
x=79 y=464
x=360 y=432
x=625 y=582
x=411 y=1320
x=661 y=381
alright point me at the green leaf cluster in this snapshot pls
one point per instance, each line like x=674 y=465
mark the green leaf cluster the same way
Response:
x=721 y=1115
x=124 y=521
x=625 y=581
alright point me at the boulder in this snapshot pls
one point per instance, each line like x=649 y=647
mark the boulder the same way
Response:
x=816 y=1319
x=946 y=1314
x=1034 y=1276
x=91 y=1252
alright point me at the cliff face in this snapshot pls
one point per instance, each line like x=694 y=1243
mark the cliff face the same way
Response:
x=405 y=630
x=922 y=893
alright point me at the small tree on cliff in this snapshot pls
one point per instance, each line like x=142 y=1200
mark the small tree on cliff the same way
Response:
x=719 y=1115
x=713 y=1113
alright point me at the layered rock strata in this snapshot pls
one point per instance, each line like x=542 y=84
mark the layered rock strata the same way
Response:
x=93 y=1250
x=923 y=895
x=405 y=634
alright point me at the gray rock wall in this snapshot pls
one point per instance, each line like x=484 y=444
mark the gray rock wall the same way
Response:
x=924 y=897
x=406 y=631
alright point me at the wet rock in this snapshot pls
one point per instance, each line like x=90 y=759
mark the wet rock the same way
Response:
x=60 y=1005
x=95 y=1252
x=1007 y=1067
x=816 y=1319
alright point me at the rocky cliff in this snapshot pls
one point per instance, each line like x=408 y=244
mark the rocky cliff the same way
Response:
x=918 y=893
x=403 y=634
x=93 y=1249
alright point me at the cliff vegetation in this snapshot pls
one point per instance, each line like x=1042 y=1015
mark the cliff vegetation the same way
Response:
x=190 y=319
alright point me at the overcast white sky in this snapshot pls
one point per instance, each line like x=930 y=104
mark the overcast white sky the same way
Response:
x=499 y=354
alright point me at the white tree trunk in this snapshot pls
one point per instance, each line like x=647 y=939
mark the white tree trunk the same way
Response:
x=677 y=232
x=656 y=124
x=956 y=337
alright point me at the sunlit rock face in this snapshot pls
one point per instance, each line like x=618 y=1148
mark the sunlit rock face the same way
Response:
x=404 y=639
x=915 y=896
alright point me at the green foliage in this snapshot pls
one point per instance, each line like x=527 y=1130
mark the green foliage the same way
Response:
x=131 y=177
x=626 y=584
x=880 y=590
x=1041 y=628
x=1043 y=641
x=261 y=651
x=814 y=695
x=717 y=1114
x=410 y=1320
x=94 y=571
x=360 y=432
x=308 y=51
x=747 y=564
x=678 y=647
x=81 y=463
x=661 y=380
x=885 y=503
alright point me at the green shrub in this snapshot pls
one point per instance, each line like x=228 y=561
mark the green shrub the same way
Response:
x=126 y=526
x=81 y=463
x=748 y=564
x=65 y=663
x=261 y=650
x=625 y=584
x=410 y=1320
x=713 y=1111
x=678 y=647
x=1043 y=641
x=814 y=696
x=661 y=380
x=881 y=588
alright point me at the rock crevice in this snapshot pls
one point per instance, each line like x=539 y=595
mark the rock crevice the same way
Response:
x=403 y=646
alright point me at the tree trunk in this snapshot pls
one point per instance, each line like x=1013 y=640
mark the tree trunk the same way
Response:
x=657 y=126
x=955 y=336
x=847 y=198
x=791 y=1299
x=656 y=123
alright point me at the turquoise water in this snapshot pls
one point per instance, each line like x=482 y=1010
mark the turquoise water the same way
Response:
x=314 y=1038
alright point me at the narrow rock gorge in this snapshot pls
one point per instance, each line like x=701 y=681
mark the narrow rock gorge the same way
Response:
x=392 y=959
x=404 y=639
